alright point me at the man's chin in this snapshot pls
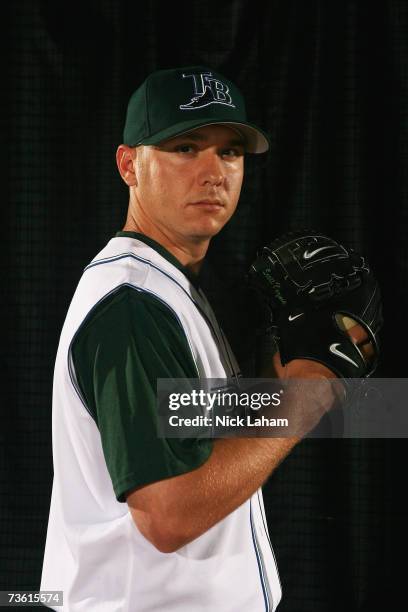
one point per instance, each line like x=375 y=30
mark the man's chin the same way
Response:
x=207 y=222
x=202 y=234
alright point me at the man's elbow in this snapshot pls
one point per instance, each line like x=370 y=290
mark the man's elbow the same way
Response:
x=167 y=542
x=160 y=532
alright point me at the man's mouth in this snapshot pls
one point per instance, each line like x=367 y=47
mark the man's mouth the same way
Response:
x=210 y=204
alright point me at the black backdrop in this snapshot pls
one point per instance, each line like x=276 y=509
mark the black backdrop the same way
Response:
x=328 y=80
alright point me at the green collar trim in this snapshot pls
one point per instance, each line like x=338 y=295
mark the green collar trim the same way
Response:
x=162 y=251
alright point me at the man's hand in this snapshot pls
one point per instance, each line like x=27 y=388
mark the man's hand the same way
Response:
x=309 y=402
x=299 y=368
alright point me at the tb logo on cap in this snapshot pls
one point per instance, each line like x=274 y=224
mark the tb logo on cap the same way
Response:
x=207 y=90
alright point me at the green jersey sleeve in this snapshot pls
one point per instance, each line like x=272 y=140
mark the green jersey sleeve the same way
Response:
x=128 y=341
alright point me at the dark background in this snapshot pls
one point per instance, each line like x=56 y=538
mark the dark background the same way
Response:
x=329 y=81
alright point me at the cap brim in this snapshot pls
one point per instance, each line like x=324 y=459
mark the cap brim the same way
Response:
x=256 y=141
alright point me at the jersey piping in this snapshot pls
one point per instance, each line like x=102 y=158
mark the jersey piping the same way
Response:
x=89 y=315
x=148 y=262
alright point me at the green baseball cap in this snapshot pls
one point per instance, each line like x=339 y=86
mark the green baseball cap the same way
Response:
x=172 y=102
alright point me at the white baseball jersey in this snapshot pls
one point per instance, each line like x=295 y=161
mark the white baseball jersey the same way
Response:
x=94 y=551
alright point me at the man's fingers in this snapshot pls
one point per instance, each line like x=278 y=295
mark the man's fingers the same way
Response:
x=358 y=334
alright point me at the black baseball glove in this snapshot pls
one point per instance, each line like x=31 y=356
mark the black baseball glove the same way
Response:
x=310 y=283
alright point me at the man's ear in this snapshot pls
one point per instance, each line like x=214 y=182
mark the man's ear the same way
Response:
x=125 y=157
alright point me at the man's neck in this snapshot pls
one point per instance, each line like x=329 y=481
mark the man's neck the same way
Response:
x=190 y=253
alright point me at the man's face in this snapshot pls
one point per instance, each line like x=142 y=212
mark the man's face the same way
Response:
x=188 y=187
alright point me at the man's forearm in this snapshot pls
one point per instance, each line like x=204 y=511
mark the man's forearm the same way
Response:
x=175 y=511
x=188 y=505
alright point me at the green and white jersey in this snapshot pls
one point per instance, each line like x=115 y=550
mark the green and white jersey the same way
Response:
x=137 y=316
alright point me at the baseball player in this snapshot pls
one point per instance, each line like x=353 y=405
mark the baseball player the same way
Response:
x=137 y=522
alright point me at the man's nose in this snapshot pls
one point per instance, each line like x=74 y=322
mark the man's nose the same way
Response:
x=211 y=171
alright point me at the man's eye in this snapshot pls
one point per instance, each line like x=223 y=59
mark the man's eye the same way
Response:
x=184 y=148
x=231 y=152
